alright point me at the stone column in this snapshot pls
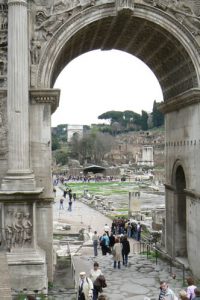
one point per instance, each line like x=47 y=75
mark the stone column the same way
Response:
x=19 y=176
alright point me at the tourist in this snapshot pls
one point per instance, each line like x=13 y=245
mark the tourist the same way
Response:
x=139 y=229
x=74 y=196
x=65 y=193
x=104 y=243
x=95 y=240
x=94 y=273
x=61 y=203
x=166 y=292
x=112 y=240
x=107 y=229
x=197 y=294
x=85 y=291
x=117 y=253
x=190 y=289
x=125 y=250
x=183 y=295
x=70 y=205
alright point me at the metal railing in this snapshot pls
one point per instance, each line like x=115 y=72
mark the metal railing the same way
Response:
x=151 y=251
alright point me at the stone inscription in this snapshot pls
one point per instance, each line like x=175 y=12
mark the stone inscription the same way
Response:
x=18 y=228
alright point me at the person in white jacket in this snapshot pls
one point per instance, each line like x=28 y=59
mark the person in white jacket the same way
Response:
x=85 y=287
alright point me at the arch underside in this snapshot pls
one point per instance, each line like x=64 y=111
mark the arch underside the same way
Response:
x=151 y=43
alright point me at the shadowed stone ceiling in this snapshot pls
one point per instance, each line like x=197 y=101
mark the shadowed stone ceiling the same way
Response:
x=155 y=46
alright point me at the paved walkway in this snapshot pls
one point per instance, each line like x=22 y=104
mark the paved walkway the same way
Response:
x=139 y=280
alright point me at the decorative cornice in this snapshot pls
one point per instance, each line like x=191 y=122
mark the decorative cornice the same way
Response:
x=48 y=96
x=183 y=100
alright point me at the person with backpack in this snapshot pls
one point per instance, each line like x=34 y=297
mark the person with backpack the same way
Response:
x=85 y=287
x=104 y=243
x=94 y=274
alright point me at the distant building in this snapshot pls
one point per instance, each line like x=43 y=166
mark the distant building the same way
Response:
x=74 y=130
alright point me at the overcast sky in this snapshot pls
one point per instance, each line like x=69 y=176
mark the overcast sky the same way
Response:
x=99 y=81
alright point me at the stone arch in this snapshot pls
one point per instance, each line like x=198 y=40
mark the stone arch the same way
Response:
x=147 y=32
x=180 y=210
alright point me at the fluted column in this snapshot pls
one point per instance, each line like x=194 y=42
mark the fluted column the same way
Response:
x=19 y=176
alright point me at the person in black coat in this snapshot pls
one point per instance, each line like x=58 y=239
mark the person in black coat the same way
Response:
x=125 y=250
x=112 y=240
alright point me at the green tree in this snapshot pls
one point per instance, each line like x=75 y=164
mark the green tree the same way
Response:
x=61 y=157
x=55 y=142
x=157 y=116
x=113 y=116
x=144 y=120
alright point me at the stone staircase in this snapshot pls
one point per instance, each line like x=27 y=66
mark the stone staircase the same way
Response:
x=5 y=289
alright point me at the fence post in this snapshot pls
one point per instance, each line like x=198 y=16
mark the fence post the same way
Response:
x=183 y=275
x=156 y=253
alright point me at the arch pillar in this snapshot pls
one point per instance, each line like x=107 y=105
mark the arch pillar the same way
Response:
x=182 y=146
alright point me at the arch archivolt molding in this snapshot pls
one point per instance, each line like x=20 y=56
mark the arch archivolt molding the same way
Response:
x=51 y=48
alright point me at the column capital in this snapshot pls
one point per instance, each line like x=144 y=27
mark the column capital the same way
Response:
x=17 y=2
x=50 y=96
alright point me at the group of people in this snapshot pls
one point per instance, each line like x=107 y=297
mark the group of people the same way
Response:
x=125 y=226
x=190 y=293
x=70 y=196
x=118 y=246
x=90 y=287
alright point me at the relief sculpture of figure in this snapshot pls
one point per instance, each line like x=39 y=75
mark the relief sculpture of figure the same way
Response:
x=18 y=230
x=27 y=229
x=35 y=52
x=9 y=229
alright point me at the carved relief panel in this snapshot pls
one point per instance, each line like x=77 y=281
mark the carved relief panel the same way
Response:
x=186 y=12
x=18 y=225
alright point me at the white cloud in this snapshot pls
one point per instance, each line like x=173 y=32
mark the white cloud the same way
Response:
x=99 y=81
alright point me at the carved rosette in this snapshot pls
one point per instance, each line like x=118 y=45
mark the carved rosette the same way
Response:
x=46 y=96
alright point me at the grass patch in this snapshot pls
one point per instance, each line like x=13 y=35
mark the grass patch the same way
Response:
x=101 y=188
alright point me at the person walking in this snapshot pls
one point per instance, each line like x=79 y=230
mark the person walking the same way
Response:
x=95 y=240
x=197 y=294
x=61 y=203
x=139 y=229
x=166 y=292
x=104 y=243
x=190 y=289
x=85 y=290
x=111 y=240
x=117 y=253
x=125 y=250
x=94 y=273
